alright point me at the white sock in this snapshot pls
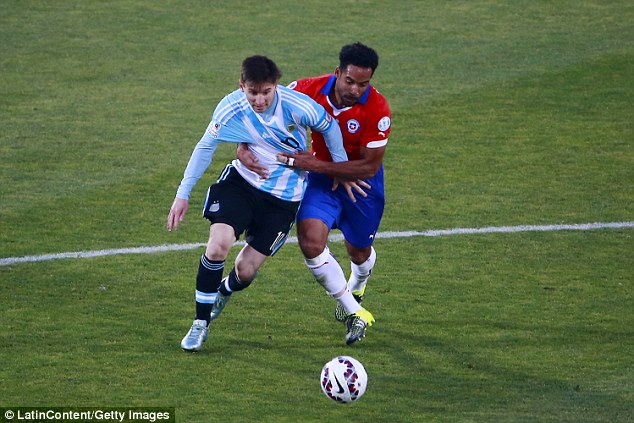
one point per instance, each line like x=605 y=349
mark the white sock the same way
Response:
x=348 y=302
x=360 y=273
x=329 y=274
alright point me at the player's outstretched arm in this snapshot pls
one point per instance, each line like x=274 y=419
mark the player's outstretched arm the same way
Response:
x=177 y=213
x=366 y=167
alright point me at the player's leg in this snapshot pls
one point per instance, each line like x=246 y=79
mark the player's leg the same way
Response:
x=317 y=215
x=208 y=279
x=329 y=274
x=312 y=235
x=359 y=223
x=227 y=207
x=265 y=234
x=357 y=322
x=362 y=260
x=248 y=263
x=239 y=278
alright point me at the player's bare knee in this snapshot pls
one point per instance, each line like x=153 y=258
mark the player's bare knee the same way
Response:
x=358 y=255
x=312 y=236
x=311 y=246
x=215 y=251
x=311 y=249
x=245 y=272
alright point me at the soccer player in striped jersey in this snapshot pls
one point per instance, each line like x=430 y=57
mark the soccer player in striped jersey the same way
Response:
x=364 y=117
x=272 y=119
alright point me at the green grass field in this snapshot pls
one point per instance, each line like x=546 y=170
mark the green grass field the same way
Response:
x=504 y=114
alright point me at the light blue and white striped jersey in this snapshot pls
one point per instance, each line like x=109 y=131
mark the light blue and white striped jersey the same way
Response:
x=282 y=128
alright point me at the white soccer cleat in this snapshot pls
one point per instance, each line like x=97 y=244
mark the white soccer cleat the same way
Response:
x=196 y=336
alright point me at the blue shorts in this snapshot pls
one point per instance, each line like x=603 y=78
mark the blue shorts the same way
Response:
x=358 y=221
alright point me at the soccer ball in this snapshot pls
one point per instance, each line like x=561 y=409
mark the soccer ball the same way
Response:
x=343 y=379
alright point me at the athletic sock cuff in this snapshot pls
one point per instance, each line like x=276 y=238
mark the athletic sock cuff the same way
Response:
x=319 y=260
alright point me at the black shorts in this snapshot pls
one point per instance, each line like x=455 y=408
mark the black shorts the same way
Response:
x=265 y=220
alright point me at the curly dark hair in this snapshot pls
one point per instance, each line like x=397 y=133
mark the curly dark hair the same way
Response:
x=358 y=54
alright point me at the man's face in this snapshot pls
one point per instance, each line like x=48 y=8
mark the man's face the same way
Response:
x=351 y=84
x=260 y=96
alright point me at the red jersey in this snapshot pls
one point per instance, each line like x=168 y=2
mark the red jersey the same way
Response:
x=367 y=123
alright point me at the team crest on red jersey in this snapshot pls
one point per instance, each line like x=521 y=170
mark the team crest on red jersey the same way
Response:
x=353 y=126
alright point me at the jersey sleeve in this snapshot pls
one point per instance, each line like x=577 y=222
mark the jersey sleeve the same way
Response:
x=299 y=86
x=226 y=126
x=318 y=119
x=334 y=142
x=198 y=163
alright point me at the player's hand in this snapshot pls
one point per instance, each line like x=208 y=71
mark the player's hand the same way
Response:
x=250 y=161
x=300 y=159
x=177 y=213
x=359 y=186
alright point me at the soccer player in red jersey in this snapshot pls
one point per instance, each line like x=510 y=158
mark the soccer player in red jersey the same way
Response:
x=364 y=117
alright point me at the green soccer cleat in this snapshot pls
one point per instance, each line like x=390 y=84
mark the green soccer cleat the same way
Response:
x=357 y=324
x=340 y=313
x=196 y=336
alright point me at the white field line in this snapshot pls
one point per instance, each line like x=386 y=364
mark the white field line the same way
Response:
x=335 y=237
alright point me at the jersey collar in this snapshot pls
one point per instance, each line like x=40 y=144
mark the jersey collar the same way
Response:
x=331 y=82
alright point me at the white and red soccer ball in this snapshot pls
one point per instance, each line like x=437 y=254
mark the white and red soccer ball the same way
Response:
x=343 y=379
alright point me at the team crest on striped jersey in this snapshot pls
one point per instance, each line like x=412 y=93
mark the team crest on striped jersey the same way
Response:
x=214 y=127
